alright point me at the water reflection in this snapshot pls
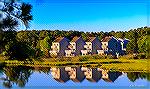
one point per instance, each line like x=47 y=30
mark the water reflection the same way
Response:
x=20 y=75
x=16 y=75
x=78 y=74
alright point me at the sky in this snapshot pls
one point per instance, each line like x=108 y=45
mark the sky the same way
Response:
x=89 y=15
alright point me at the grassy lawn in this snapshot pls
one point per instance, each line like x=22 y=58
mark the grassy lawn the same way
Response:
x=121 y=64
x=109 y=64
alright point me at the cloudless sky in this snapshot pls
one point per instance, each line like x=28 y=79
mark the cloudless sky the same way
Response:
x=89 y=15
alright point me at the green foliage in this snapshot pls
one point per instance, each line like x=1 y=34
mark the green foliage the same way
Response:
x=44 y=45
x=19 y=51
x=144 y=45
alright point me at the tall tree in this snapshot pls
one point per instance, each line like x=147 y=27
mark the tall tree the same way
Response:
x=14 y=14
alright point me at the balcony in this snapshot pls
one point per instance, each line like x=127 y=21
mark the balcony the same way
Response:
x=53 y=46
x=70 y=53
x=54 y=52
x=86 y=52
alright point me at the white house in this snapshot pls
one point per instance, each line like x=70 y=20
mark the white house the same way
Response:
x=58 y=46
x=75 y=46
x=92 y=45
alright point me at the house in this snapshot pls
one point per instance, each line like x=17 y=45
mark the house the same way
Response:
x=92 y=45
x=58 y=46
x=110 y=45
x=123 y=43
x=92 y=74
x=59 y=74
x=75 y=46
x=75 y=73
x=109 y=76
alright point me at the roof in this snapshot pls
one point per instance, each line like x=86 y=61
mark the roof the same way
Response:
x=91 y=39
x=60 y=39
x=106 y=39
x=75 y=39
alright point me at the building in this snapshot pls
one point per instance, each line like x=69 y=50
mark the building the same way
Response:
x=59 y=46
x=123 y=43
x=75 y=46
x=59 y=74
x=110 y=45
x=92 y=74
x=75 y=73
x=92 y=45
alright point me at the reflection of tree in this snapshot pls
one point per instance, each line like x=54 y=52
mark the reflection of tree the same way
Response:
x=132 y=76
x=16 y=75
x=45 y=70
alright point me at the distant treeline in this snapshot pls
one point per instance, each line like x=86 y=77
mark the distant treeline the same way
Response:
x=37 y=43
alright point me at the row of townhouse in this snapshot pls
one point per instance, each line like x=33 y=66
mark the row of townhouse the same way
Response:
x=77 y=46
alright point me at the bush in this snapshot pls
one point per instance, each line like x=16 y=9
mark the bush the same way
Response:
x=99 y=56
x=141 y=56
x=111 y=57
x=84 y=58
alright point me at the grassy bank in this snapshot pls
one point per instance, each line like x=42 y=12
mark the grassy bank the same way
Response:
x=121 y=64
x=109 y=64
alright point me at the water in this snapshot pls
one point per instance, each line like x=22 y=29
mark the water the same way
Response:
x=70 y=78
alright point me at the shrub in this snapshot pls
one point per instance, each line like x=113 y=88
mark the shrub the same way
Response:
x=141 y=56
x=84 y=58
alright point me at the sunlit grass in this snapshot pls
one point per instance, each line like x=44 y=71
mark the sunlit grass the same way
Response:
x=121 y=64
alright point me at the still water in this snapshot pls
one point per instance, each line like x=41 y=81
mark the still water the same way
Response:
x=21 y=77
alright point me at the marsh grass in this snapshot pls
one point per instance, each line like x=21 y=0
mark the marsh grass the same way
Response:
x=121 y=64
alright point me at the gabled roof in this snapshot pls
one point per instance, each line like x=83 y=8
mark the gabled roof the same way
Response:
x=75 y=39
x=106 y=39
x=59 y=39
x=91 y=39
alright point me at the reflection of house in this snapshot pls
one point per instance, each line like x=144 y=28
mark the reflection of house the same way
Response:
x=58 y=46
x=75 y=47
x=59 y=74
x=109 y=76
x=92 y=74
x=75 y=73
x=92 y=45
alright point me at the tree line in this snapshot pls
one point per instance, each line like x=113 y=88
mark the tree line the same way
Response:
x=37 y=43
x=34 y=44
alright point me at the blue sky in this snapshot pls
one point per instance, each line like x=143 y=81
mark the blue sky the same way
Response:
x=90 y=16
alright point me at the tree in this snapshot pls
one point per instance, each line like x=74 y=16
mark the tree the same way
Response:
x=144 y=45
x=14 y=13
x=44 y=45
x=132 y=46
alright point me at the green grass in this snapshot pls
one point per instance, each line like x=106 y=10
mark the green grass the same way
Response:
x=121 y=64
x=109 y=64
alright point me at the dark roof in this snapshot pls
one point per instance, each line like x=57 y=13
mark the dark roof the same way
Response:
x=90 y=39
x=58 y=39
x=106 y=39
x=75 y=39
